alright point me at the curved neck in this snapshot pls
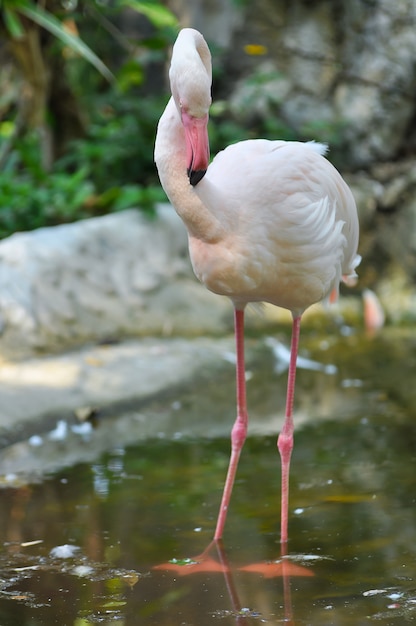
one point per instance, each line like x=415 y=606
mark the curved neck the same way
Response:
x=170 y=158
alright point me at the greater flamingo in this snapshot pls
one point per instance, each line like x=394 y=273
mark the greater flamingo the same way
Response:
x=267 y=221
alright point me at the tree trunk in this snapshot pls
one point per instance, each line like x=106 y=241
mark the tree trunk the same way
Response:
x=28 y=53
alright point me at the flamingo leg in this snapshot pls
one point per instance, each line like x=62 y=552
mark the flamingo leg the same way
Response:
x=239 y=431
x=285 y=439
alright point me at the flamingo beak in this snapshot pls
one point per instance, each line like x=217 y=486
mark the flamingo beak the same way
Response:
x=197 y=146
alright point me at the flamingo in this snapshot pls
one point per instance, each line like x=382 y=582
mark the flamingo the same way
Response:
x=267 y=221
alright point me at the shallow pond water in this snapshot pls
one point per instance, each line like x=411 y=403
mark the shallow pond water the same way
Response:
x=119 y=539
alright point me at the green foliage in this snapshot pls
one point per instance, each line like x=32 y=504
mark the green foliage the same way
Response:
x=117 y=153
x=156 y=13
x=13 y=9
x=111 y=168
x=29 y=198
x=118 y=148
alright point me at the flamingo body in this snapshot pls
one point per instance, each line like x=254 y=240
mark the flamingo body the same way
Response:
x=284 y=210
x=267 y=221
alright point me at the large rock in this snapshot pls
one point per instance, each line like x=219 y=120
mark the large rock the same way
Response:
x=100 y=279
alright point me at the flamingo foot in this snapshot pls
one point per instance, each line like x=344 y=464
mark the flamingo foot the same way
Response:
x=277 y=569
x=193 y=565
x=204 y=562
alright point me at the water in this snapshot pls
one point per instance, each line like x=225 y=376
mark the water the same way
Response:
x=80 y=545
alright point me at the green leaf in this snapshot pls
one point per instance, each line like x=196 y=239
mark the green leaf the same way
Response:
x=129 y=196
x=13 y=23
x=7 y=128
x=53 y=25
x=159 y=15
x=130 y=74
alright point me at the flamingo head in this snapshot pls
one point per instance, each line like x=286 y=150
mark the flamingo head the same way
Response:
x=190 y=80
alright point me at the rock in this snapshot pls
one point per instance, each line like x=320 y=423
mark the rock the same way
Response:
x=41 y=391
x=99 y=279
x=387 y=211
x=341 y=72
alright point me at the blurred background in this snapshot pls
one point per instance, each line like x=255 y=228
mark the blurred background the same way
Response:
x=83 y=84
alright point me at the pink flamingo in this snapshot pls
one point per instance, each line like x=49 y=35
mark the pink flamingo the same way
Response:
x=267 y=221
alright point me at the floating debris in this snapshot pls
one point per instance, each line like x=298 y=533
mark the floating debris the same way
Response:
x=60 y=432
x=282 y=358
x=66 y=551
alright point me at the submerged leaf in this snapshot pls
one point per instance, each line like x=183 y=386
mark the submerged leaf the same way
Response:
x=350 y=498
